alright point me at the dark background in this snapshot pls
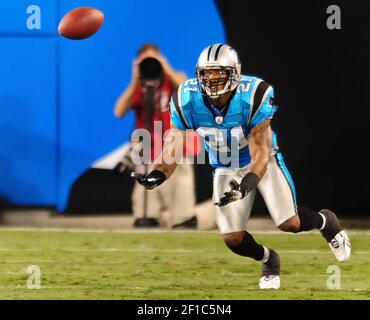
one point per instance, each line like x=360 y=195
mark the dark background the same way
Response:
x=321 y=81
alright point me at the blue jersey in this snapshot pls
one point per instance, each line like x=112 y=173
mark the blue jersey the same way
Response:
x=225 y=135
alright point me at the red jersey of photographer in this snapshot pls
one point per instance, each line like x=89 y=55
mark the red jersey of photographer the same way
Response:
x=161 y=113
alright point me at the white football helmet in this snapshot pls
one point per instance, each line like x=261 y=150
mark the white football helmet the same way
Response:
x=218 y=57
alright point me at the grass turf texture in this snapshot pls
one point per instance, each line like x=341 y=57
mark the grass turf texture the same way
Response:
x=172 y=265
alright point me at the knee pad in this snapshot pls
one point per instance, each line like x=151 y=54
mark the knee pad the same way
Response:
x=248 y=247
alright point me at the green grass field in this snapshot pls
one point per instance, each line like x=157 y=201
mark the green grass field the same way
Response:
x=172 y=265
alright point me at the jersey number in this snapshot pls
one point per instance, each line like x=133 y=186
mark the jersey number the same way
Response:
x=189 y=86
x=217 y=138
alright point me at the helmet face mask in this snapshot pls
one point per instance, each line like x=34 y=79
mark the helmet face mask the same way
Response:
x=215 y=81
x=218 y=70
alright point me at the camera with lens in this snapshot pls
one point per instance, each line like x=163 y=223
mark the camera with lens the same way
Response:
x=150 y=73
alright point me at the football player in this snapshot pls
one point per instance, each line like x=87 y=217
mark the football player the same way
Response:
x=233 y=113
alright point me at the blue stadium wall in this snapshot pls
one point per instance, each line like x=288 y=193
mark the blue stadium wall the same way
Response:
x=57 y=95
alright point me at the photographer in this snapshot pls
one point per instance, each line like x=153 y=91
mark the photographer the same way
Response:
x=172 y=79
x=152 y=85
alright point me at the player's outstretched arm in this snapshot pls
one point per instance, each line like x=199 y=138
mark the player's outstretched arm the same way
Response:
x=172 y=152
x=165 y=165
x=260 y=141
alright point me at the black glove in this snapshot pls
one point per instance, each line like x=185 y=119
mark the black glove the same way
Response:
x=150 y=181
x=239 y=191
